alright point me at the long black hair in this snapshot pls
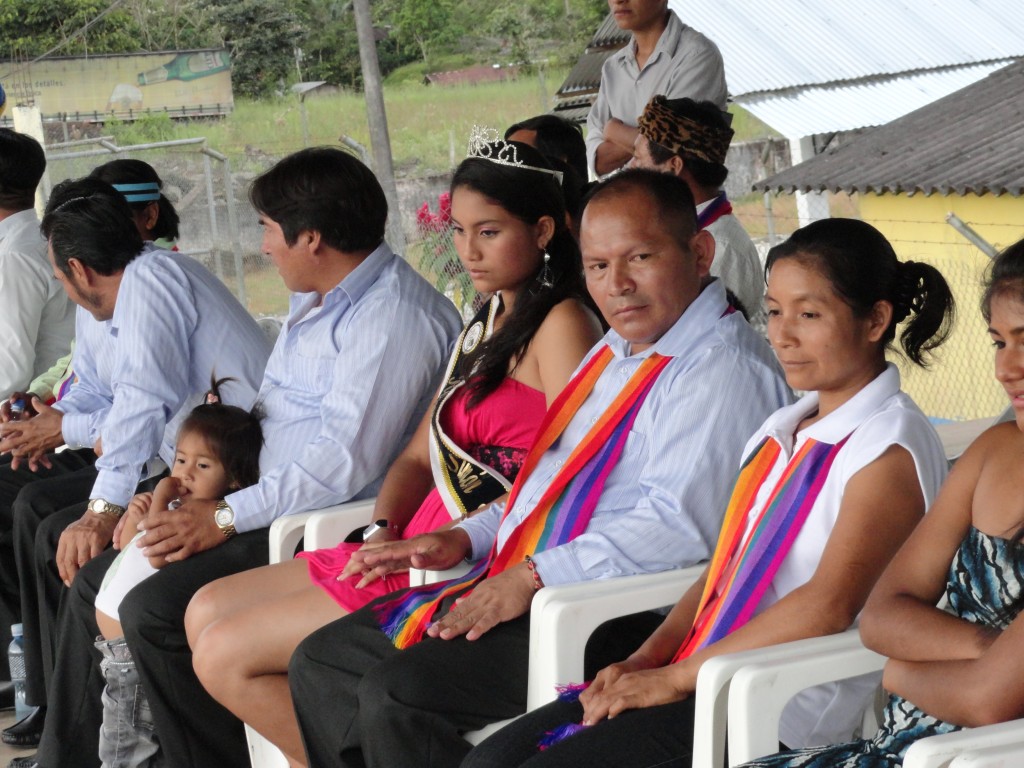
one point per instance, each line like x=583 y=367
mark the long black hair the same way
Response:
x=863 y=269
x=527 y=195
x=131 y=171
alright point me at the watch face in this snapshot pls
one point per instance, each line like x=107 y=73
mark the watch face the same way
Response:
x=225 y=516
x=99 y=505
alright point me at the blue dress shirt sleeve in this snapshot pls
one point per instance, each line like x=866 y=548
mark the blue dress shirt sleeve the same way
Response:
x=381 y=379
x=154 y=320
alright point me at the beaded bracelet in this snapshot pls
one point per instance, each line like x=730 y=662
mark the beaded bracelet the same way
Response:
x=537 y=583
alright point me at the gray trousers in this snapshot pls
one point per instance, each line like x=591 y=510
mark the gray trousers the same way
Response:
x=128 y=737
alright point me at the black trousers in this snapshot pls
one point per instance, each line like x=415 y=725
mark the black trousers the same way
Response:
x=194 y=729
x=644 y=738
x=361 y=702
x=27 y=498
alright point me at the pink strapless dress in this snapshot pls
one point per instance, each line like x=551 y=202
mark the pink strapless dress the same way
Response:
x=498 y=432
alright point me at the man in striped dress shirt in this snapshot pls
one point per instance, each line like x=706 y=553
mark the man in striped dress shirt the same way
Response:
x=151 y=327
x=357 y=362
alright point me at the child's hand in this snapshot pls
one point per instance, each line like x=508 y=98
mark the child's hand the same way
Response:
x=167 y=490
x=128 y=525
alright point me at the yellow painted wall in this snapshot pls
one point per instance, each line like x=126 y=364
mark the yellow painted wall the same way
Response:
x=960 y=384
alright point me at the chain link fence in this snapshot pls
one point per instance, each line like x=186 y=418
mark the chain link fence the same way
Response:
x=219 y=227
x=959 y=384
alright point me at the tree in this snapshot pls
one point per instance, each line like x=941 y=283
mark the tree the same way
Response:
x=262 y=36
x=33 y=28
x=424 y=23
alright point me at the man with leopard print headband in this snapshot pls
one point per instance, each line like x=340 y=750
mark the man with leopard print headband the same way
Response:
x=690 y=139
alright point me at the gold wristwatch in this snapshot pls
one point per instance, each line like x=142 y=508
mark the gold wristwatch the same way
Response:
x=224 y=516
x=104 y=508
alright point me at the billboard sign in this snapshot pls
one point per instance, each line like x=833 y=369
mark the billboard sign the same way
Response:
x=182 y=83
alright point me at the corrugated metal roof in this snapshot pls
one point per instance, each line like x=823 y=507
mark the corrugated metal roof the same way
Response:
x=769 y=46
x=971 y=141
x=825 y=109
x=844 y=53
x=608 y=35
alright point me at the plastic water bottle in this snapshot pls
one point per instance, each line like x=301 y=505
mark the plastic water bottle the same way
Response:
x=16 y=658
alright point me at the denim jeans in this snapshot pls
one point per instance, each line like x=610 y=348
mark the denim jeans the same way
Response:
x=127 y=736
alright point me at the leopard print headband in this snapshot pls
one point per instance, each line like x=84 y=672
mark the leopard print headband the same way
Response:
x=683 y=135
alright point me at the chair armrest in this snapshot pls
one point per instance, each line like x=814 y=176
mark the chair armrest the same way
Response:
x=760 y=691
x=714 y=682
x=329 y=527
x=285 y=534
x=942 y=751
x=320 y=525
x=562 y=618
x=1006 y=756
x=418 y=577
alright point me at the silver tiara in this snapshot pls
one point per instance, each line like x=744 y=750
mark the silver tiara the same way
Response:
x=487 y=144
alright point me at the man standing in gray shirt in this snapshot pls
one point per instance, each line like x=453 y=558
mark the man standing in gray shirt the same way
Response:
x=663 y=56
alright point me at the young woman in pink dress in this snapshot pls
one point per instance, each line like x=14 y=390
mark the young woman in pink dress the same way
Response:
x=510 y=233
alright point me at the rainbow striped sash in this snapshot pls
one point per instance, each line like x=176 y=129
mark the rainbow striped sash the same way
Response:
x=565 y=508
x=740 y=572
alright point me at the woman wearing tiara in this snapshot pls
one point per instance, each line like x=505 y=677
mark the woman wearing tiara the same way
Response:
x=511 y=361
x=828 y=489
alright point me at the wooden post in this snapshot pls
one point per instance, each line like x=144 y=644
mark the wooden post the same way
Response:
x=377 y=118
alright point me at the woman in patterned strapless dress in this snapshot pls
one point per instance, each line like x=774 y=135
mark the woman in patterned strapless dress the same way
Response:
x=960 y=666
x=512 y=360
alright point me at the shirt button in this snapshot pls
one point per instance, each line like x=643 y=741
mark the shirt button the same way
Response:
x=559 y=463
x=624 y=370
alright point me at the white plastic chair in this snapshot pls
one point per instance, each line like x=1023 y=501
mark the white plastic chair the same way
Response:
x=765 y=681
x=727 y=686
x=562 y=618
x=331 y=524
x=989 y=746
x=1007 y=756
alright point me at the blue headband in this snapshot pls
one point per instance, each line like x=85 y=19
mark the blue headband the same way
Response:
x=147 y=192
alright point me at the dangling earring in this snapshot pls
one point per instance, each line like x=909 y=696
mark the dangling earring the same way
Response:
x=546 y=278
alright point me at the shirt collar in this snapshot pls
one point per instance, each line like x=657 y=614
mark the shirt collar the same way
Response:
x=351 y=288
x=842 y=421
x=688 y=332
x=16 y=220
x=667 y=43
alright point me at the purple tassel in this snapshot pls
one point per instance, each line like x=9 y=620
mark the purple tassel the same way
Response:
x=570 y=692
x=559 y=734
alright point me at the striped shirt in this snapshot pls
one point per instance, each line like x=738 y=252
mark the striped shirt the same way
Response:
x=663 y=503
x=142 y=371
x=345 y=388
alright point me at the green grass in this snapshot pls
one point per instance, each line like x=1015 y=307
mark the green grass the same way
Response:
x=428 y=125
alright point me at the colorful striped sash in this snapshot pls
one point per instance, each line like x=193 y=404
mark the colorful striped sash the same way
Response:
x=741 y=571
x=566 y=506
x=719 y=207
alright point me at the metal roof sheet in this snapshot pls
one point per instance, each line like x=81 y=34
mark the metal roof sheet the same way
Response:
x=769 y=46
x=844 y=54
x=846 y=106
x=971 y=141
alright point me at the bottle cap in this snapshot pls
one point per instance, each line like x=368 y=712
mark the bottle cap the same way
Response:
x=17 y=630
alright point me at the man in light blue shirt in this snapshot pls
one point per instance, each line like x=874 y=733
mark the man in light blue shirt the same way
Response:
x=361 y=701
x=152 y=328
x=357 y=362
